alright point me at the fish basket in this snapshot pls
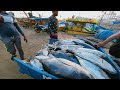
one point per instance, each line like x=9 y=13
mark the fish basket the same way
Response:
x=33 y=72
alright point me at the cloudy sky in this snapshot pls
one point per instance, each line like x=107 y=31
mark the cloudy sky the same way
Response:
x=64 y=14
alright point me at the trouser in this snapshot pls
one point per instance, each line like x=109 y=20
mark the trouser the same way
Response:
x=16 y=42
x=115 y=50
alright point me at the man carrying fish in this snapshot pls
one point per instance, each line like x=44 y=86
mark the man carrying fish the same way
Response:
x=115 y=47
x=9 y=34
x=52 y=25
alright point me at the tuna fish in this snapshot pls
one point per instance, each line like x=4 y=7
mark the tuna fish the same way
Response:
x=42 y=57
x=103 y=64
x=65 y=42
x=61 y=54
x=75 y=42
x=69 y=47
x=43 y=52
x=88 y=42
x=36 y=64
x=81 y=42
x=64 y=68
x=95 y=52
x=95 y=71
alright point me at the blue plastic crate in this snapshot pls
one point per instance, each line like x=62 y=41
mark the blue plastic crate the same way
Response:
x=31 y=71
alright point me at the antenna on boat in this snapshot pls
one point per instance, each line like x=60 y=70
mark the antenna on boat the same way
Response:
x=102 y=17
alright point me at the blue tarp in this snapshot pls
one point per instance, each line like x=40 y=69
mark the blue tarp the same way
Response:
x=39 y=18
x=116 y=22
x=63 y=22
x=103 y=33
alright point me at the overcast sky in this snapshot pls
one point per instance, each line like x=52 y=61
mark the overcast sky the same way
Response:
x=65 y=14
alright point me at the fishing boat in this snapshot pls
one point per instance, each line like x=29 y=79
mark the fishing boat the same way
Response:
x=81 y=26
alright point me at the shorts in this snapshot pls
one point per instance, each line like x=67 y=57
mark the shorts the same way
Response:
x=54 y=36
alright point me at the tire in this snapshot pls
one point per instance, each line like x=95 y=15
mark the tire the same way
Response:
x=38 y=31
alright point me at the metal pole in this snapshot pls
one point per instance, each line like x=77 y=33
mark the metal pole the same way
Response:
x=101 y=19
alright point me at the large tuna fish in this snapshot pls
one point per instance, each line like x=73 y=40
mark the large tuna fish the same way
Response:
x=65 y=42
x=88 y=42
x=95 y=71
x=96 y=60
x=69 y=47
x=75 y=42
x=81 y=42
x=61 y=54
x=64 y=68
x=95 y=52
x=44 y=52
x=36 y=64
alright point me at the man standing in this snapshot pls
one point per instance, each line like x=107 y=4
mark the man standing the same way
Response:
x=9 y=34
x=52 y=25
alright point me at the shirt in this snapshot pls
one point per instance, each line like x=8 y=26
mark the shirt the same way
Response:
x=52 y=24
x=9 y=29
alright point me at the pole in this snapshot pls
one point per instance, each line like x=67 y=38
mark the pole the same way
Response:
x=26 y=14
x=101 y=19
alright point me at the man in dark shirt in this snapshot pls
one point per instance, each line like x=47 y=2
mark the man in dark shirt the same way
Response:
x=52 y=25
x=9 y=34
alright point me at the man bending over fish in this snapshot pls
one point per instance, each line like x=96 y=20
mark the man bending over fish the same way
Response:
x=9 y=34
x=115 y=47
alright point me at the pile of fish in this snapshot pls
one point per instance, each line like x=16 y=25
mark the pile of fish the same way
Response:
x=74 y=59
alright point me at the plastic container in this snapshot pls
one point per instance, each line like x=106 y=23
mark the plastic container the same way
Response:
x=33 y=72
